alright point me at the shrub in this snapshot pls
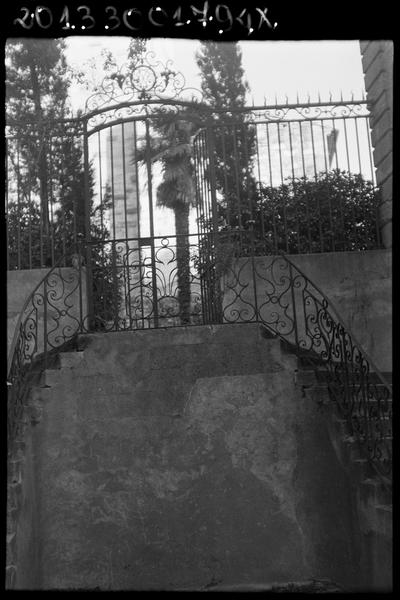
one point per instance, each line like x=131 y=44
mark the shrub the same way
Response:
x=335 y=211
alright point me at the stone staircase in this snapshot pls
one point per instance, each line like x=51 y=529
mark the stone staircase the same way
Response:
x=372 y=491
x=189 y=458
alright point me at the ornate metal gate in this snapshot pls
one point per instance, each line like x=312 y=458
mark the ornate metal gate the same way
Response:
x=143 y=273
x=149 y=266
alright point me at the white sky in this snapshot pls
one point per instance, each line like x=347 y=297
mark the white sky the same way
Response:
x=271 y=68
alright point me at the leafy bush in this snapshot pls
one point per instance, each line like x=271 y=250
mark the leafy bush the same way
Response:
x=336 y=211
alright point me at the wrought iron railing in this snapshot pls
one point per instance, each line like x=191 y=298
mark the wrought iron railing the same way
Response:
x=229 y=277
x=51 y=316
x=256 y=284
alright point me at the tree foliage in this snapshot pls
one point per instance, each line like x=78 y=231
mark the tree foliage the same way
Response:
x=36 y=79
x=36 y=92
x=222 y=74
x=336 y=211
x=224 y=88
x=46 y=203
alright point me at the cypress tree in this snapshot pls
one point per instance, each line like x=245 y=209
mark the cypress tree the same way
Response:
x=46 y=206
x=36 y=93
x=224 y=88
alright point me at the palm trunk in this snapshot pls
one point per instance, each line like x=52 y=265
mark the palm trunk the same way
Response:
x=183 y=262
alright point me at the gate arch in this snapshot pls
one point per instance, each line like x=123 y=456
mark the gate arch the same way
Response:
x=144 y=268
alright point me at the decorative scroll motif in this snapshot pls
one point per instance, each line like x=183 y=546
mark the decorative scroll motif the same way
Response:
x=139 y=89
x=148 y=285
x=52 y=315
x=274 y=292
x=304 y=112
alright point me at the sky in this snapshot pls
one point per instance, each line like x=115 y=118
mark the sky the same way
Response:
x=282 y=69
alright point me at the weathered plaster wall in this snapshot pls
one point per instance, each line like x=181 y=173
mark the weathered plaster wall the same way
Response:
x=22 y=561
x=178 y=459
x=359 y=285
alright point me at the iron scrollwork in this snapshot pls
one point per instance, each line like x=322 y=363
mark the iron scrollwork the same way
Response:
x=148 y=285
x=272 y=290
x=53 y=314
x=138 y=89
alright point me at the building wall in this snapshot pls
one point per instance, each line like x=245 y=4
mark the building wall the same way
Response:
x=121 y=177
x=291 y=149
x=377 y=61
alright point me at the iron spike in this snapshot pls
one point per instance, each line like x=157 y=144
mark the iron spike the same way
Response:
x=352 y=95
x=319 y=96
x=330 y=96
x=265 y=101
x=297 y=96
x=308 y=96
x=287 y=99
x=276 y=100
x=341 y=95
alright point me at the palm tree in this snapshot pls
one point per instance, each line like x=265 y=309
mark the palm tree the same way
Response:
x=172 y=148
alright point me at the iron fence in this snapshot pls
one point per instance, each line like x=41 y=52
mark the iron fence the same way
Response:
x=45 y=192
x=302 y=174
x=52 y=315
x=141 y=283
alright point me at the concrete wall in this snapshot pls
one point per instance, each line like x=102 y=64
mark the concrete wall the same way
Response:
x=359 y=284
x=63 y=291
x=377 y=61
x=22 y=558
x=187 y=458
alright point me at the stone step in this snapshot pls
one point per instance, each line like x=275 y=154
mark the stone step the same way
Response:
x=385 y=507
x=200 y=334
x=372 y=393
x=159 y=368
x=305 y=587
x=368 y=470
x=375 y=506
x=308 y=365
x=307 y=379
x=357 y=452
x=234 y=349
x=71 y=360
x=369 y=404
x=352 y=439
x=375 y=487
